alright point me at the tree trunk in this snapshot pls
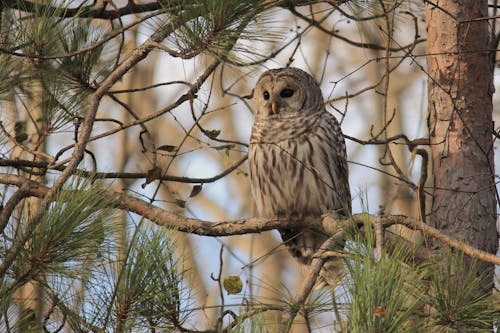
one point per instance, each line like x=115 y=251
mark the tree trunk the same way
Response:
x=460 y=121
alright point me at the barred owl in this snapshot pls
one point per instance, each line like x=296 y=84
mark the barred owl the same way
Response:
x=297 y=158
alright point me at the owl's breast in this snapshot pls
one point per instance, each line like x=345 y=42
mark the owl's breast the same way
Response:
x=292 y=177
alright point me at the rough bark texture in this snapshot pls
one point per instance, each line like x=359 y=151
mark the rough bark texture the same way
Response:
x=460 y=121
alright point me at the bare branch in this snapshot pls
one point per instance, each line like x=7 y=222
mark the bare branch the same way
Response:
x=257 y=224
x=122 y=175
x=310 y=280
x=351 y=42
x=183 y=98
x=11 y=204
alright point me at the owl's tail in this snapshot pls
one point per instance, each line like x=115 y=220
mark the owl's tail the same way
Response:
x=303 y=244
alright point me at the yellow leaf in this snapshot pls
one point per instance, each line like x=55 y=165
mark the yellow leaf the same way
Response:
x=233 y=284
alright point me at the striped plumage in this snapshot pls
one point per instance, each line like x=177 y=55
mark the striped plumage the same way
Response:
x=297 y=156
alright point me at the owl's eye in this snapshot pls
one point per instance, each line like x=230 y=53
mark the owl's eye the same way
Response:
x=266 y=95
x=287 y=92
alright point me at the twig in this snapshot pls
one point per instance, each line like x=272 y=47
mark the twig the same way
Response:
x=183 y=98
x=11 y=204
x=421 y=184
x=218 y=279
x=123 y=175
x=362 y=45
x=310 y=280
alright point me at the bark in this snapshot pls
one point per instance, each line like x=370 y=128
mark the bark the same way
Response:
x=30 y=295
x=460 y=121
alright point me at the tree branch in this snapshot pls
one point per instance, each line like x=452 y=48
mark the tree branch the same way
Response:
x=310 y=280
x=11 y=204
x=351 y=42
x=122 y=175
x=256 y=224
x=84 y=11
x=183 y=98
x=100 y=12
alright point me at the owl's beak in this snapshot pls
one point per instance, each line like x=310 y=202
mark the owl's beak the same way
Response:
x=274 y=107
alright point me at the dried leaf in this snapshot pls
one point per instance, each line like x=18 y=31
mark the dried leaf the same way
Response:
x=230 y=146
x=180 y=203
x=153 y=174
x=168 y=148
x=20 y=131
x=380 y=311
x=196 y=190
x=212 y=134
x=21 y=137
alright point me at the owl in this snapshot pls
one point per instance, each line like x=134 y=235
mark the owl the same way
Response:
x=297 y=158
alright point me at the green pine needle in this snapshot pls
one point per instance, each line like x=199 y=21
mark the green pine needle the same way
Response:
x=149 y=290
x=384 y=294
x=221 y=28
x=455 y=300
x=72 y=232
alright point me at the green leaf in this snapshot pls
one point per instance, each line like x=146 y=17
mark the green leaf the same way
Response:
x=457 y=295
x=49 y=77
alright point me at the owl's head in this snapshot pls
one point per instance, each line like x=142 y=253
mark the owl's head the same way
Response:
x=287 y=91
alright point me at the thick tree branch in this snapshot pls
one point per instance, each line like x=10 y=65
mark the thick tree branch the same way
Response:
x=257 y=224
x=84 y=11
x=165 y=218
x=100 y=12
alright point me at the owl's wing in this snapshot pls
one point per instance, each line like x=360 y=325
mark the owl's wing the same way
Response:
x=332 y=133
